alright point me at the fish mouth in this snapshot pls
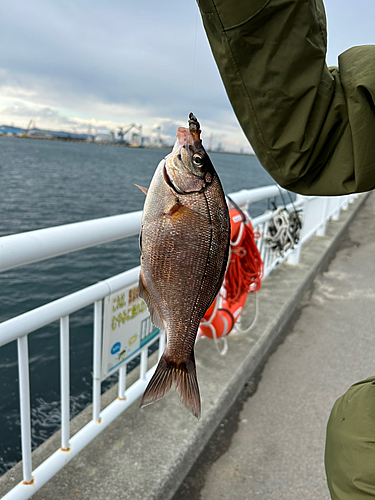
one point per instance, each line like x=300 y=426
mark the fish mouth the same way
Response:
x=188 y=135
x=184 y=137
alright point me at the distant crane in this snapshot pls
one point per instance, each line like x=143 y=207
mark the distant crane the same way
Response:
x=24 y=134
x=126 y=129
x=219 y=148
x=134 y=143
x=121 y=133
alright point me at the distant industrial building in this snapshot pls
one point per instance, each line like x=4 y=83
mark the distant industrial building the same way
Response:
x=9 y=129
x=130 y=135
x=40 y=133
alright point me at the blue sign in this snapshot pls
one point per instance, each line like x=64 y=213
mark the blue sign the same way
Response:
x=116 y=348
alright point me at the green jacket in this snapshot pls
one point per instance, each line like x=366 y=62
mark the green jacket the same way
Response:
x=350 y=444
x=312 y=127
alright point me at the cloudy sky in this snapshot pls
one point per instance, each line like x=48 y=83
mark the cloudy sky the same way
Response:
x=71 y=64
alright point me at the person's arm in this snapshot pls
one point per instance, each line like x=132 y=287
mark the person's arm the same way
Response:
x=312 y=127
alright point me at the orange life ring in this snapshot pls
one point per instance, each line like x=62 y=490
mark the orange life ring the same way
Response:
x=243 y=276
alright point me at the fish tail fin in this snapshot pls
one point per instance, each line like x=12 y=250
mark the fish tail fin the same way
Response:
x=183 y=374
x=185 y=378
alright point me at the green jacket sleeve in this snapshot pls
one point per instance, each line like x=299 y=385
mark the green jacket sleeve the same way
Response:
x=312 y=127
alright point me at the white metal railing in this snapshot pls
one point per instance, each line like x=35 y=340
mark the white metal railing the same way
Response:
x=25 y=248
x=33 y=246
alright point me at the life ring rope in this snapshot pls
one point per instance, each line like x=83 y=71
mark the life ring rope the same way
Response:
x=249 y=328
x=243 y=276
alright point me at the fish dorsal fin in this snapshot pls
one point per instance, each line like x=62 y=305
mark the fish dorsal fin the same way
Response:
x=155 y=314
x=143 y=189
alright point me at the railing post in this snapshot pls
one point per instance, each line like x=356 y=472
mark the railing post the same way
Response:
x=122 y=383
x=322 y=228
x=64 y=382
x=161 y=344
x=264 y=250
x=97 y=373
x=336 y=213
x=293 y=258
x=24 y=384
x=144 y=355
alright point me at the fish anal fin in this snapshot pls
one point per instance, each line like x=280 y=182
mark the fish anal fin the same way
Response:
x=183 y=375
x=155 y=314
x=143 y=189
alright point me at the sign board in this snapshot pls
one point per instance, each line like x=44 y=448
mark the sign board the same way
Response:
x=127 y=328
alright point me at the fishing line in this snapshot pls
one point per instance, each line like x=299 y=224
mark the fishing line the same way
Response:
x=194 y=59
x=281 y=195
x=291 y=201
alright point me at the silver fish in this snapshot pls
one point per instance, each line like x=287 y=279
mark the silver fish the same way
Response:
x=184 y=250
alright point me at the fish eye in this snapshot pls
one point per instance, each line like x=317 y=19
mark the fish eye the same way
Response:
x=197 y=160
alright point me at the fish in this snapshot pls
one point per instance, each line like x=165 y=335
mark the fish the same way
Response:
x=184 y=243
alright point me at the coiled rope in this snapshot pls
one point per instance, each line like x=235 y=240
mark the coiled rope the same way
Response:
x=283 y=231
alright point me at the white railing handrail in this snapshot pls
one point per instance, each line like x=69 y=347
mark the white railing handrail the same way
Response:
x=30 y=321
x=247 y=196
x=34 y=246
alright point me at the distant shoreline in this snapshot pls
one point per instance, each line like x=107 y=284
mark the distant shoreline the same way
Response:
x=119 y=144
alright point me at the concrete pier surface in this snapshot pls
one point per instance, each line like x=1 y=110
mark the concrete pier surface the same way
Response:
x=267 y=446
x=271 y=444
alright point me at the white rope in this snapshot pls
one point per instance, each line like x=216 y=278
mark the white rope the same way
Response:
x=248 y=329
x=208 y=323
x=283 y=231
x=224 y=350
x=240 y=234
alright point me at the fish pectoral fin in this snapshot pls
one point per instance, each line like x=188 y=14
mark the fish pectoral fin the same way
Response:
x=143 y=189
x=179 y=207
x=183 y=375
x=173 y=208
x=155 y=314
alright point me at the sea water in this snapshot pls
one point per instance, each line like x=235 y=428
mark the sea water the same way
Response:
x=50 y=183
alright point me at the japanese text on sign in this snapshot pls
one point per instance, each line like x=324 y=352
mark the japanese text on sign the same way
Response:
x=126 y=328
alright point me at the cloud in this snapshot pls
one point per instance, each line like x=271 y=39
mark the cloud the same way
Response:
x=71 y=64
x=122 y=61
x=40 y=112
x=42 y=116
